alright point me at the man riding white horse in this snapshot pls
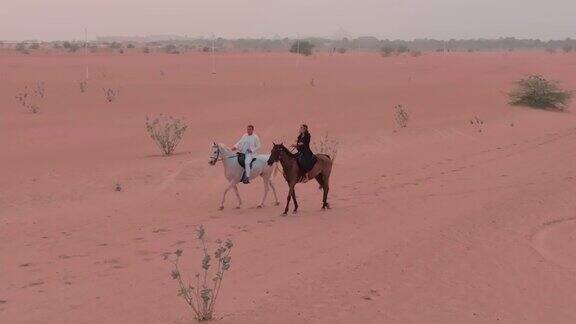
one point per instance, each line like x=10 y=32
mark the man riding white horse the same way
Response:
x=249 y=145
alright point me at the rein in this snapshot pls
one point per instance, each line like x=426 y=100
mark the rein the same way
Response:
x=220 y=159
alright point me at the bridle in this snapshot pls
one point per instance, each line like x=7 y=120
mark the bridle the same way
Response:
x=217 y=157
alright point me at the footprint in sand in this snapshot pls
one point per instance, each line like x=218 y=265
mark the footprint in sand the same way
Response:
x=556 y=242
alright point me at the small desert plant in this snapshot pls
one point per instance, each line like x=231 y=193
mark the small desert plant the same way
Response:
x=328 y=146
x=302 y=47
x=117 y=187
x=166 y=132
x=28 y=98
x=110 y=94
x=401 y=115
x=83 y=85
x=40 y=90
x=537 y=92
x=477 y=123
x=201 y=295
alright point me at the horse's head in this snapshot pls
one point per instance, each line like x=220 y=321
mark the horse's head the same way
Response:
x=277 y=152
x=214 y=154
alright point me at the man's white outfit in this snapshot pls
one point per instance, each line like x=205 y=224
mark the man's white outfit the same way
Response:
x=249 y=145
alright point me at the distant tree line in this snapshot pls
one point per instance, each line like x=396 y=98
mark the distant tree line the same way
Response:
x=385 y=46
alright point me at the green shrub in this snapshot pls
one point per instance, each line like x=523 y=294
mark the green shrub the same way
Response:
x=302 y=47
x=386 y=50
x=537 y=92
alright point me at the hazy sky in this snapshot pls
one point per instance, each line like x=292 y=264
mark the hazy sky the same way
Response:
x=443 y=19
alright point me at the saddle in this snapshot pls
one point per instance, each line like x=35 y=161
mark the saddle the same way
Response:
x=242 y=160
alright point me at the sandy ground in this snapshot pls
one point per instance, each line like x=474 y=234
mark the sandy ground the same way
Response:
x=434 y=223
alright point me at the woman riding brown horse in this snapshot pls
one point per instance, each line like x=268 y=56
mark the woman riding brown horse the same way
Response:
x=293 y=174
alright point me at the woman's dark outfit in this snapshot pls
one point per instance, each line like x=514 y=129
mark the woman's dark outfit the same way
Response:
x=306 y=158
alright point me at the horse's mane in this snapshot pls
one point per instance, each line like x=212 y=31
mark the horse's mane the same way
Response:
x=287 y=151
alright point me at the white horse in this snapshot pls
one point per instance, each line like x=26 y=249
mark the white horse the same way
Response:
x=233 y=171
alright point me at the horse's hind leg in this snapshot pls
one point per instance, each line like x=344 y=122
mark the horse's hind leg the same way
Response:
x=276 y=202
x=237 y=196
x=326 y=188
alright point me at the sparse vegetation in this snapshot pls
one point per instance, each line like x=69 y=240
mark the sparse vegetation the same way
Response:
x=327 y=145
x=537 y=92
x=21 y=47
x=477 y=123
x=166 y=132
x=387 y=51
x=401 y=115
x=302 y=47
x=110 y=94
x=171 y=49
x=115 y=45
x=402 y=49
x=202 y=292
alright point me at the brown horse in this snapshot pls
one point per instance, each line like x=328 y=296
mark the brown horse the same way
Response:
x=292 y=173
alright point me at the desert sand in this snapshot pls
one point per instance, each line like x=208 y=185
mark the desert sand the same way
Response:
x=433 y=223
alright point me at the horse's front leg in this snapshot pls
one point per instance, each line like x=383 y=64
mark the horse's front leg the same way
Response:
x=232 y=184
x=288 y=201
x=237 y=196
x=293 y=191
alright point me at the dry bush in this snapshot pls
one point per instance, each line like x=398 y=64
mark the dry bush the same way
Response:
x=110 y=94
x=29 y=98
x=202 y=293
x=328 y=146
x=537 y=92
x=477 y=123
x=401 y=115
x=166 y=132
x=83 y=85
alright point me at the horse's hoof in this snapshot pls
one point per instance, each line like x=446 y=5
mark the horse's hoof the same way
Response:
x=259 y=206
x=237 y=207
x=221 y=208
x=277 y=203
x=295 y=212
